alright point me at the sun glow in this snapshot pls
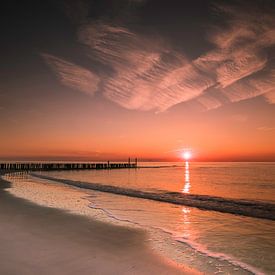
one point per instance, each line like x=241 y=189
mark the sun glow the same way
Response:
x=186 y=155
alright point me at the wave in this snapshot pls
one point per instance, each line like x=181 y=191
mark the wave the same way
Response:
x=255 y=209
x=202 y=249
x=221 y=257
x=190 y=243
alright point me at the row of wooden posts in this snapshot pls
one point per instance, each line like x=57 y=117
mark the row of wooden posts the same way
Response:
x=31 y=166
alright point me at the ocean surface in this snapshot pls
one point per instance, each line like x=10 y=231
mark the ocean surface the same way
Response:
x=246 y=242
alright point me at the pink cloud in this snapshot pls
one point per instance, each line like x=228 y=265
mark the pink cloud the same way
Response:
x=270 y=96
x=72 y=75
x=266 y=128
x=148 y=74
x=252 y=87
x=208 y=102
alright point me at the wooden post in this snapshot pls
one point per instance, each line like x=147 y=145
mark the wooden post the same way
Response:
x=31 y=166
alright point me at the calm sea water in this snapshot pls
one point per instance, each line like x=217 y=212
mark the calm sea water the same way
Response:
x=252 y=181
x=248 y=243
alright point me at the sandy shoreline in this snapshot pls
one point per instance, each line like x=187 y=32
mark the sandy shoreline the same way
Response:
x=46 y=240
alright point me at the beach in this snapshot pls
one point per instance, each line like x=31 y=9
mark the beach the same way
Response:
x=36 y=239
x=70 y=224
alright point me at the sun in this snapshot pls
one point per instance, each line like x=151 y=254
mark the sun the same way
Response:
x=186 y=155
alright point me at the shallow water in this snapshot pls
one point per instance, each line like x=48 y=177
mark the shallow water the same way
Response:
x=247 y=242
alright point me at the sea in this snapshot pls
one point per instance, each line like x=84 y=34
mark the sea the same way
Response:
x=219 y=214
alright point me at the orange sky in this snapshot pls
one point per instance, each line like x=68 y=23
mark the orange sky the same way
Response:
x=89 y=83
x=88 y=129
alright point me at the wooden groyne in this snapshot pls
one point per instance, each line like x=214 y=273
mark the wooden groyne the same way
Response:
x=43 y=166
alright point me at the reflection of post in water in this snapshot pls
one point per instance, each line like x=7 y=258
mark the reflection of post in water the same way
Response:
x=17 y=176
x=186 y=188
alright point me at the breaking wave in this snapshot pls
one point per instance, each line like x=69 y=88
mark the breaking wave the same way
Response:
x=249 y=208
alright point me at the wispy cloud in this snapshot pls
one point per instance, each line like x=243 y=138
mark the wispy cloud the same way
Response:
x=240 y=56
x=208 y=102
x=72 y=75
x=266 y=129
x=270 y=96
x=145 y=73
x=251 y=87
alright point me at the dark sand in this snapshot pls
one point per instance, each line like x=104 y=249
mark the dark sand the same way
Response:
x=42 y=240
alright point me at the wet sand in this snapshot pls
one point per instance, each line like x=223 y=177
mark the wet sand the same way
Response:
x=42 y=240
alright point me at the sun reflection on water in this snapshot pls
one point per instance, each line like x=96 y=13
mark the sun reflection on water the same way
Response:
x=186 y=188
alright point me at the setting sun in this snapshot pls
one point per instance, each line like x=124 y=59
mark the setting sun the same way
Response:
x=186 y=155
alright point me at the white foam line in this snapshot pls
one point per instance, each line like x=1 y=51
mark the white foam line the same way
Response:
x=214 y=255
x=194 y=245
x=110 y=215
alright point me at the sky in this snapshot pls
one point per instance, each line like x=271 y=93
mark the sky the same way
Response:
x=108 y=80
